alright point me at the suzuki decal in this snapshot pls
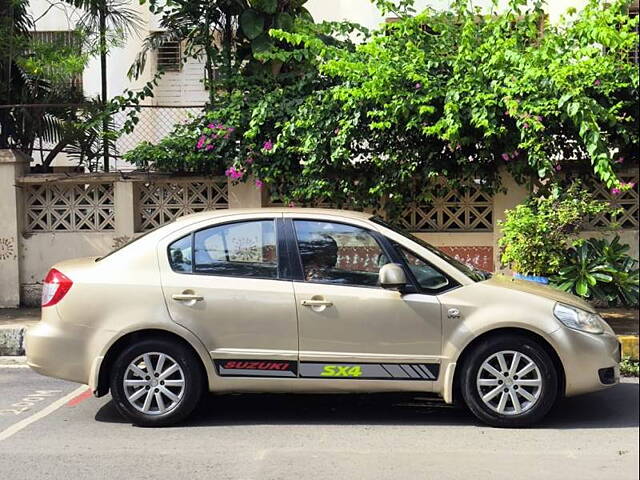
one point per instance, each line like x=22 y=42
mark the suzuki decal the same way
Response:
x=256 y=368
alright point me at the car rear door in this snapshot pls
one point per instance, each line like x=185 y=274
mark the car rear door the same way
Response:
x=350 y=327
x=227 y=283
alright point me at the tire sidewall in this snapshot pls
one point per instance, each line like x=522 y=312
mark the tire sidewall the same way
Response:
x=527 y=347
x=193 y=382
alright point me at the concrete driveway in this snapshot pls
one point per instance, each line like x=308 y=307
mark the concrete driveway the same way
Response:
x=70 y=435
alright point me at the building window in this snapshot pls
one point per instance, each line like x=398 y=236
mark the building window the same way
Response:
x=63 y=39
x=169 y=56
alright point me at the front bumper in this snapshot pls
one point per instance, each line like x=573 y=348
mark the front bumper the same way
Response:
x=591 y=362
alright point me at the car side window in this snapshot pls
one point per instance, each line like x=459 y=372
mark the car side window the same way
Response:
x=180 y=254
x=338 y=253
x=427 y=276
x=246 y=249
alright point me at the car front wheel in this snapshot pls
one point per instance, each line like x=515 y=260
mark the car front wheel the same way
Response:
x=509 y=381
x=156 y=383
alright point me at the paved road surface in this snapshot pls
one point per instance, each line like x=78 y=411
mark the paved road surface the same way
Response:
x=60 y=433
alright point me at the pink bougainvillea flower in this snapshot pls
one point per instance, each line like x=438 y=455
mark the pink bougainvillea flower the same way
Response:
x=506 y=157
x=234 y=173
x=597 y=82
x=259 y=184
x=615 y=191
x=418 y=86
x=201 y=141
x=630 y=185
x=526 y=125
x=209 y=147
x=268 y=145
x=211 y=126
x=558 y=168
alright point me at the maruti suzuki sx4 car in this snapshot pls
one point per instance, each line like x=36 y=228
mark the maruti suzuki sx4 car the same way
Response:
x=311 y=301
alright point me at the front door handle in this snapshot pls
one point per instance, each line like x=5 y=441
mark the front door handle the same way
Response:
x=316 y=303
x=187 y=297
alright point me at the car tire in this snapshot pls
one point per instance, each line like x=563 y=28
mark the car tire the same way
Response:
x=503 y=395
x=162 y=395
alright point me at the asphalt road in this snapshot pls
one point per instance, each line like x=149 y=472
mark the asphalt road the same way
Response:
x=58 y=432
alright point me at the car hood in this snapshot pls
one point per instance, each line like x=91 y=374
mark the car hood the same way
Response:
x=508 y=282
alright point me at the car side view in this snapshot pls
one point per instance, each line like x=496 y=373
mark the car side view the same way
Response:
x=310 y=301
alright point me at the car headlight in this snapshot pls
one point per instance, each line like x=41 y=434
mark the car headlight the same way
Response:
x=579 y=319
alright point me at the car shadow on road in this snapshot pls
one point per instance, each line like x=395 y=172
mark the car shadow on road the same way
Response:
x=614 y=408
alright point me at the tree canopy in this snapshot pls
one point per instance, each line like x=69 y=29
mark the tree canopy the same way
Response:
x=452 y=94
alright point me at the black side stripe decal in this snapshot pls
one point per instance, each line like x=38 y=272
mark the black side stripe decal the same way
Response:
x=323 y=370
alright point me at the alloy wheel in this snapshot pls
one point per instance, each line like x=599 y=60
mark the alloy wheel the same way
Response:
x=154 y=383
x=509 y=382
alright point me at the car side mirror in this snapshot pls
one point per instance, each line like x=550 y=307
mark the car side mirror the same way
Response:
x=392 y=277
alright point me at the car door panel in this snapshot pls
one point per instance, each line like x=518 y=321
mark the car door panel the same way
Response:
x=238 y=318
x=359 y=332
x=367 y=324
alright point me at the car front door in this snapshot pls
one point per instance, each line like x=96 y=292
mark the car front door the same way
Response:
x=350 y=327
x=225 y=283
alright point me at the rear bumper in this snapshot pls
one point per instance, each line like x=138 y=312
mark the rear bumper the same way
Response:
x=58 y=351
x=591 y=362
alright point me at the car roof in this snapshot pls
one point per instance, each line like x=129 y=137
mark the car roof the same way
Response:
x=243 y=211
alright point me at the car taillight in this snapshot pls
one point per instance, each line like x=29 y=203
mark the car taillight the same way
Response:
x=55 y=287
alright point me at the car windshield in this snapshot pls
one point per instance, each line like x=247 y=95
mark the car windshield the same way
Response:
x=470 y=271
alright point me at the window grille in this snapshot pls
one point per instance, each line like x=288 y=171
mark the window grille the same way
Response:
x=169 y=56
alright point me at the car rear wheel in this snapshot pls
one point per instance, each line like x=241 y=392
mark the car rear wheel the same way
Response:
x=156 y=383
x=509 y=381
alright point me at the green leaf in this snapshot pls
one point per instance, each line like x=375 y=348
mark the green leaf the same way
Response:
x=581 y=288
x=251 y=23
x=601 y=277
x=266 y=6
x=284 y=21
x=261 y=44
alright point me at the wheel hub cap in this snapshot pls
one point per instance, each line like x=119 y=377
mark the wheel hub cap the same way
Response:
x=154 y=383
x=509 y=382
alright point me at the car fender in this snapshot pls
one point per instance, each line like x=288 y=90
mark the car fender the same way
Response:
x=169 y=327
x=473 y=321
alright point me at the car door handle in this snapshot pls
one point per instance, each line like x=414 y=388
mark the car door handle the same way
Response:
x=316 y=303
x=187 y=297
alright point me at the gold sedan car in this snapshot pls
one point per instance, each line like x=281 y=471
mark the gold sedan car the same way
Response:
x=310 y=300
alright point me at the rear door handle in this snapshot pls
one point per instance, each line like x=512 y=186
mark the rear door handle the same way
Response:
x=187 y=297
x=316 y=303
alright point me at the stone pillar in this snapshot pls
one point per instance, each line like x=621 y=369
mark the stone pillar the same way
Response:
x=246 y=195
x=125 y=208
x=514 y=195
x=13 y=164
